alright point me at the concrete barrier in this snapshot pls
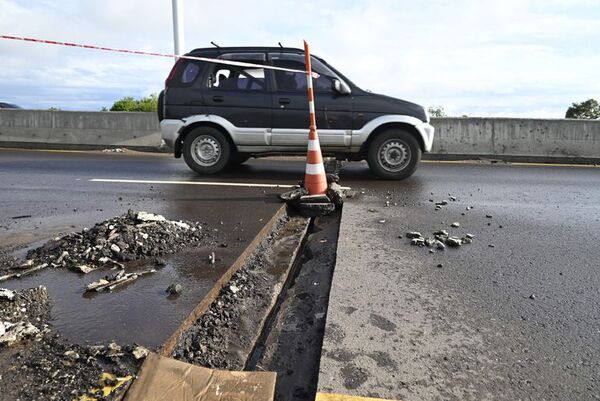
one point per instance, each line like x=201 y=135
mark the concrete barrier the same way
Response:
x=517 y=139
x=78 y=130
x=511 y=139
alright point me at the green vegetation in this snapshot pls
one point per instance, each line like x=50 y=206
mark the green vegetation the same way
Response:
x=588 y=110
x=128 y=103
x=437 y=111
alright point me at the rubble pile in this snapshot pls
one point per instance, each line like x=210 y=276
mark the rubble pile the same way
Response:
x=36 y=364
x=440 y=240
x=316 y=205
x=131 y=236
x=51 y=369
x=22 y=313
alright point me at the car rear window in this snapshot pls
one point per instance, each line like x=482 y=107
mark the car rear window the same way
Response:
x=190 y=73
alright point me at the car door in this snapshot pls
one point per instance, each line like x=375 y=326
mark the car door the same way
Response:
x=290 y=104
x=239 y=95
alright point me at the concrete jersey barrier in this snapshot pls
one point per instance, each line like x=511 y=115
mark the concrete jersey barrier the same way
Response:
x=78 y=130
x=559 y=140
x=513 y=139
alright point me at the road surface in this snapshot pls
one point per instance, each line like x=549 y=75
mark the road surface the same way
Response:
x=518 y=320
x=513 y=316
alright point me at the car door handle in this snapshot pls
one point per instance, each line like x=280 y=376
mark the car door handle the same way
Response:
x=218 y=99
x=285 y=100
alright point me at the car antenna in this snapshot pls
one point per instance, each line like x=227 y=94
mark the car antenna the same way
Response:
x=214 y=44
x=280 y=45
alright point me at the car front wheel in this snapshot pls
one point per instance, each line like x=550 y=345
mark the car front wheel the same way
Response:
x=394 y=154
x=206 y=150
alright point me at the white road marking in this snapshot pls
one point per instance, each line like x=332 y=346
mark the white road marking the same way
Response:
x=204 y=183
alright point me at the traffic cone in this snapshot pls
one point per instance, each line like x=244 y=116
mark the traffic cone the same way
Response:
x=315 y=179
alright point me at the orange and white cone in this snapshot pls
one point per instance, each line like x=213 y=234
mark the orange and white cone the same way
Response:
x=315 y=179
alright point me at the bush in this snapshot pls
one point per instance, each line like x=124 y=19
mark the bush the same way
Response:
x=128 y=103
x=588 y=110
x=437 y=111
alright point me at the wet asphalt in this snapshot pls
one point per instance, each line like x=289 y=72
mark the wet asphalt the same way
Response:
x=541 y=347
x=513 y=316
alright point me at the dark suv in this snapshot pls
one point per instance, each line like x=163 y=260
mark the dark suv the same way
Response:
x=218 y=114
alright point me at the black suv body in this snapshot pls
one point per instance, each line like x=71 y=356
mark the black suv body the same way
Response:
x=218 y=114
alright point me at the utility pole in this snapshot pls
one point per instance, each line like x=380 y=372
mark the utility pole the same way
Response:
x=178 y=27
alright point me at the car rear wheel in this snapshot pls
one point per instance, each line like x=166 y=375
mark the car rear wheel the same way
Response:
x=394 y=154
x=206 y=150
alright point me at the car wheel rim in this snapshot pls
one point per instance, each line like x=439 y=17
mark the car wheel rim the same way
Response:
x=206 y=150
x=394 y=155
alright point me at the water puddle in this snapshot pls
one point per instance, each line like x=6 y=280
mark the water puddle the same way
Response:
x=141 y=312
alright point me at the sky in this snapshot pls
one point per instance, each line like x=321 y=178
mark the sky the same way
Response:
x=510 y=58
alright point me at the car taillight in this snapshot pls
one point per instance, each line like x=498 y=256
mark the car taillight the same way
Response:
x=172 y=73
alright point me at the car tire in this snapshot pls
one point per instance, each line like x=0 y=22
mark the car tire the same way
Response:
x=206 y=150
x=394 y=154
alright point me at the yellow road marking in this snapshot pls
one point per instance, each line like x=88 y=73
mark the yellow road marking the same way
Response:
x=343 y=397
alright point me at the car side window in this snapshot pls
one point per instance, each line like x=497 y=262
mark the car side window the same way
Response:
x=295 y=81
x=229 y=77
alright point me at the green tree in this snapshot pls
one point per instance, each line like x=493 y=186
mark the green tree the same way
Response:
x=437 y=111
x=128 y=103
x=588 y=110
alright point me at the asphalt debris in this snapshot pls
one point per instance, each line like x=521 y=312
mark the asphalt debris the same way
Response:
x=440 y=239
x=36 y=363
x=118 y=279
x=132 y=236
x=317 y=205
x=174 y=288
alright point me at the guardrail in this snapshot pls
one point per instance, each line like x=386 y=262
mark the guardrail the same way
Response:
x=513 y=139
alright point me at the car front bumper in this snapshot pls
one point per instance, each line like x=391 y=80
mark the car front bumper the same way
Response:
x=426 y=130
x=169 y=130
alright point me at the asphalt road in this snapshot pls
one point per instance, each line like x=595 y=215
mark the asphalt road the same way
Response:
x=516 y=321
x=468 y=330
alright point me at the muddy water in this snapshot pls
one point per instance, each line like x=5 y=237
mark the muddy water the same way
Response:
x=140 y=312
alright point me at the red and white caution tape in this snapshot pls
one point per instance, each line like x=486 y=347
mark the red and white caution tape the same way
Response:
x=143 y=53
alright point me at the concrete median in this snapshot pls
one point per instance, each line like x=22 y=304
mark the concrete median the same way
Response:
x=78 y=130
x=516 y=139
x=510 y=139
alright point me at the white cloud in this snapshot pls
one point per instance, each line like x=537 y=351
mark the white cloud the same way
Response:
x=516 y=57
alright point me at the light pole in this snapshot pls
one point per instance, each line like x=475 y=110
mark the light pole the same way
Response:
x=178 y=38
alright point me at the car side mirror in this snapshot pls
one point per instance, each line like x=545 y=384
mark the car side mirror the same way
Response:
x=341 y=87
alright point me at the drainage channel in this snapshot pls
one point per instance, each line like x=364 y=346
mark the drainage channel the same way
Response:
x=268 y=312
x=290 y=343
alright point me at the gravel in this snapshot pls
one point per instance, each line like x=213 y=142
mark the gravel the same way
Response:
x=440 y=239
